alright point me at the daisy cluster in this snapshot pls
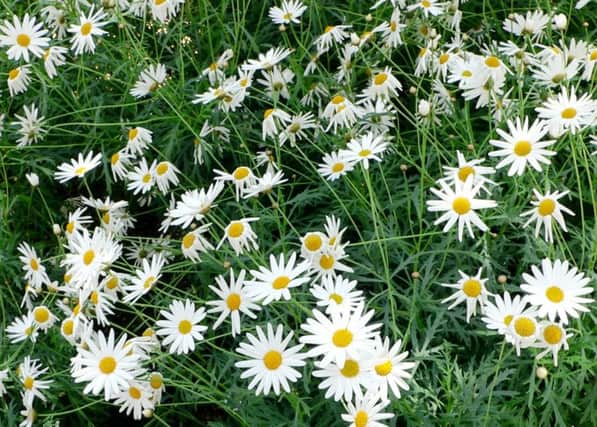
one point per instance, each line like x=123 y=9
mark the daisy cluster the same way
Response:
x=116 y=289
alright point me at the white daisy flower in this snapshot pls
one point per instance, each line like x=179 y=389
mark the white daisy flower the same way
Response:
x=163 y=10
x=265 y=184
x=23 y=38
x=547 y=209
x=365 y=148
x=22 y=328
x=181 y=327
x=150 y=79
x=389 y=369
x=156 y=383
x=18 y=79
x=466 y=168
x=390 y=30
x=77 y=168
x=105 y=365
x=312 y=244
x=334 y=165
x=331 y=34
x=194 y=243
x=499 y=313
x=240 y=235
x=344 y=380
x=276 y=81
x=552 y=337
x=429 y=7
x=30 y=126
x=532 y=24
x=35 y=272
x=568 y=113
x=460 y=205
x=271 y=362
x=328 y=262
x=523 y=331
x=43 y=318
x=194 y=205
x=383 y=85
x=341 y=336
x=267 y=60
x=557 y=290
x=120 y=162
x=135 y=399
x=274 y=119
x=242 y=177
x=142 y=178
x=29 y=371
x=165 y=175
x=341 y=112
x=233 y=300
x=522 y=146
x=76 y=222
x=54 y=57
x=145 y=279
x=470 y=289
x=337 y=294
x=295 y=130
x=289 y=11
x=366 y=411
x=274 y=283
x=3 y=378
x=138 y=139
x=89 y=25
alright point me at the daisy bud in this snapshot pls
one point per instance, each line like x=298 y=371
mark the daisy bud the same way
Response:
x=470 y=147
x=585 y=24
x=33 y=179
x=541 y=372
x=412 y=90
x=502 y=278
x=147 y=413
x=227 y=264
x=282 y=28
x=368 y=18
x=432 y=33
x=560 y=21
x=424 y=108
x=403 y=167
x=415 y=275
x=56 y=229
x=355 y=39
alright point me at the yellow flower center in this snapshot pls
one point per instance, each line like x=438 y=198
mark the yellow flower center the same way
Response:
x=326 y=262
x=112 y=282
x=467 y=73
x=365 y=153
x=524 y=326
x=272 y=360
x=422 y=52
x=461 y=205
x=28 y=383
x=508 y=319
x=236 y=229
x=88 y=257
x=241 y=173
x=552 y=334
x=337 y=298
x=67 y=327
x=384 y=368
x=329 y=28
x=287 y=16
x=188 y=240
x=268 y=113
x=492 y=62
x=86 y=28
x=464 y=172
x=426 y=4
x=342 y=338
x=41 y=314
x=351 y=368
x=443 y=58
x=107 y=365
x=14 y=73
x=148 y=332
x=133 y=133
x=146 y=178
x=70 y=227
x=80 y=171
x=338 y=167
x=380 y=79
x=546 y=207
x=184 y=327
x=471 y=288
x=313 y=242
x=281 y=282
x=569 y=113
x=115 y=159
x=233 y=301
x=34 y=264
x=338 y=99
x=134 y=393
x=554 y=294
x=94 y=297
x=361 y=419
x=23 y=40
x=106 y=217
x=522 y=148
x=29 y=331
x=162 y=168
x=148 y=282
x=155 y=381
x=393 y=26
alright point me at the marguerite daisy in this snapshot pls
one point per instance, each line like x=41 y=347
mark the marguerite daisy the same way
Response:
x=470 y=289
x=77 y=168
x=23 y=38
x=181 y=326
x=547 y=209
